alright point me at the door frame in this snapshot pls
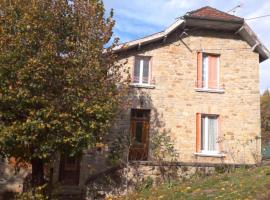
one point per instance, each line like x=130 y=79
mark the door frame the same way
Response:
x=139 y=151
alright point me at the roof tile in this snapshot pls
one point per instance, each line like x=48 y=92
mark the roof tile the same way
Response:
x=209 y=12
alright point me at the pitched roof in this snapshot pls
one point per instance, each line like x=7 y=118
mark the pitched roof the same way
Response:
x=212 y=13
x=200 y=18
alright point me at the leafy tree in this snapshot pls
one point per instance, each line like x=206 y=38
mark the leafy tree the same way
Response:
x=265 y=122
x=265 y=111
x=58 y=87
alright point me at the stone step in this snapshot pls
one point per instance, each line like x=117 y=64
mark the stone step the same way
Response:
x=71 y=197
x=70 y=193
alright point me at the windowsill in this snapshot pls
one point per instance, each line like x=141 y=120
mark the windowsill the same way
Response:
x=142 y=85
x=220 y=91
x=210 y=154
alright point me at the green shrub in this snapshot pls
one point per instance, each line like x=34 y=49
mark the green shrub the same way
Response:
x=146 y=184
x=34 y=194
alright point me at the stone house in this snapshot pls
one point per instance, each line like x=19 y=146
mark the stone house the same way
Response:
x=197 y=82
x=201 y=75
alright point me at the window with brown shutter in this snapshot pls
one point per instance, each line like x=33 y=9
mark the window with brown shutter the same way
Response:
x=207 y=133
x=208 y=71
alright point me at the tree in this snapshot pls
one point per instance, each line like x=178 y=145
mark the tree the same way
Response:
x=265 y=111
x=58 y=87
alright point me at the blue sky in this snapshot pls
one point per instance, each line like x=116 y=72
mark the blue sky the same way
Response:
x=139 y=18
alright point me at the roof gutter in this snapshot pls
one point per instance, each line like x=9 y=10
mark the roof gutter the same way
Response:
x=248 y=34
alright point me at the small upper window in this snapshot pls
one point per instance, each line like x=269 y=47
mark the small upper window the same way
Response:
x=208 y=71
x=141 y=72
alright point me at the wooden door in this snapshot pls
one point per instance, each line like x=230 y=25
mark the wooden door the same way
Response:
x=69 y=173
x=139 y=134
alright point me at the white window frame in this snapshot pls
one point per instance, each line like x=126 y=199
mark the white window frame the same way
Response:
x=142 y=60
x=205 y=73
x=205 y=70
x=206 y=134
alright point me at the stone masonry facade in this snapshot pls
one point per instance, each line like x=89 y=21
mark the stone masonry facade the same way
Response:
x=174 y=100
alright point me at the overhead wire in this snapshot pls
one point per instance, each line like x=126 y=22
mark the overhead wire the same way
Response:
x=258 y=17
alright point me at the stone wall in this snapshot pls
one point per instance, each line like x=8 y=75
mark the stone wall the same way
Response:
x=137 y=176
x=174 y=100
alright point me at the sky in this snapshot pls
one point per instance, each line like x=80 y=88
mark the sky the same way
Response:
x=139 y=18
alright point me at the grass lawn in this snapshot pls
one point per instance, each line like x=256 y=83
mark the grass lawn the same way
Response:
x=252 y=183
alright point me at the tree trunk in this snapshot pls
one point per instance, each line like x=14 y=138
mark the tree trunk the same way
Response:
x=37 y=172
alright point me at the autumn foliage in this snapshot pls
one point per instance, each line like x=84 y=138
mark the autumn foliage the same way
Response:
x=58 y=87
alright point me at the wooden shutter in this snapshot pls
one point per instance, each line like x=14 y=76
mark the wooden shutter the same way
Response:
x=199 y=69
x=213 y=71
x=198 y=132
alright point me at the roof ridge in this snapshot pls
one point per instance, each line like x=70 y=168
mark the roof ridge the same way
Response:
x=212 y=8
x=199 y=9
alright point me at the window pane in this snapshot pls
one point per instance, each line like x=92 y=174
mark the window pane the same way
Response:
x=203 y=133
x=212 y=134
x=146 y=71
x=138 y=134
x=136 y=74
x=204 y=70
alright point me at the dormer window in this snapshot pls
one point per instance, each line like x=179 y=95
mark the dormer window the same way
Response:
x=142 y=71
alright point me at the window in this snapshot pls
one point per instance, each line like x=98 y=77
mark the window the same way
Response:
x=207 y=133
x=208 y=71
x=142 y=69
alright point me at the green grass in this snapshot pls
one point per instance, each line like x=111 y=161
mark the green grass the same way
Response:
x=252 y=183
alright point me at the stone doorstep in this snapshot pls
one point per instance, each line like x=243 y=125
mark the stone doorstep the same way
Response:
x=72 y=189
x=69 y=192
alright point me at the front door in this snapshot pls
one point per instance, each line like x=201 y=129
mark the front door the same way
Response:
x=139 y=134
x=69 y=173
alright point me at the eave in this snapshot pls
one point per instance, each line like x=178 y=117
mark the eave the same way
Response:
x=149 y=39
x=238 y=26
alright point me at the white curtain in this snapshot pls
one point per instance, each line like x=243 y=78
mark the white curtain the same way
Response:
x=205 y=71
x=212 y=134
x=203 y=133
